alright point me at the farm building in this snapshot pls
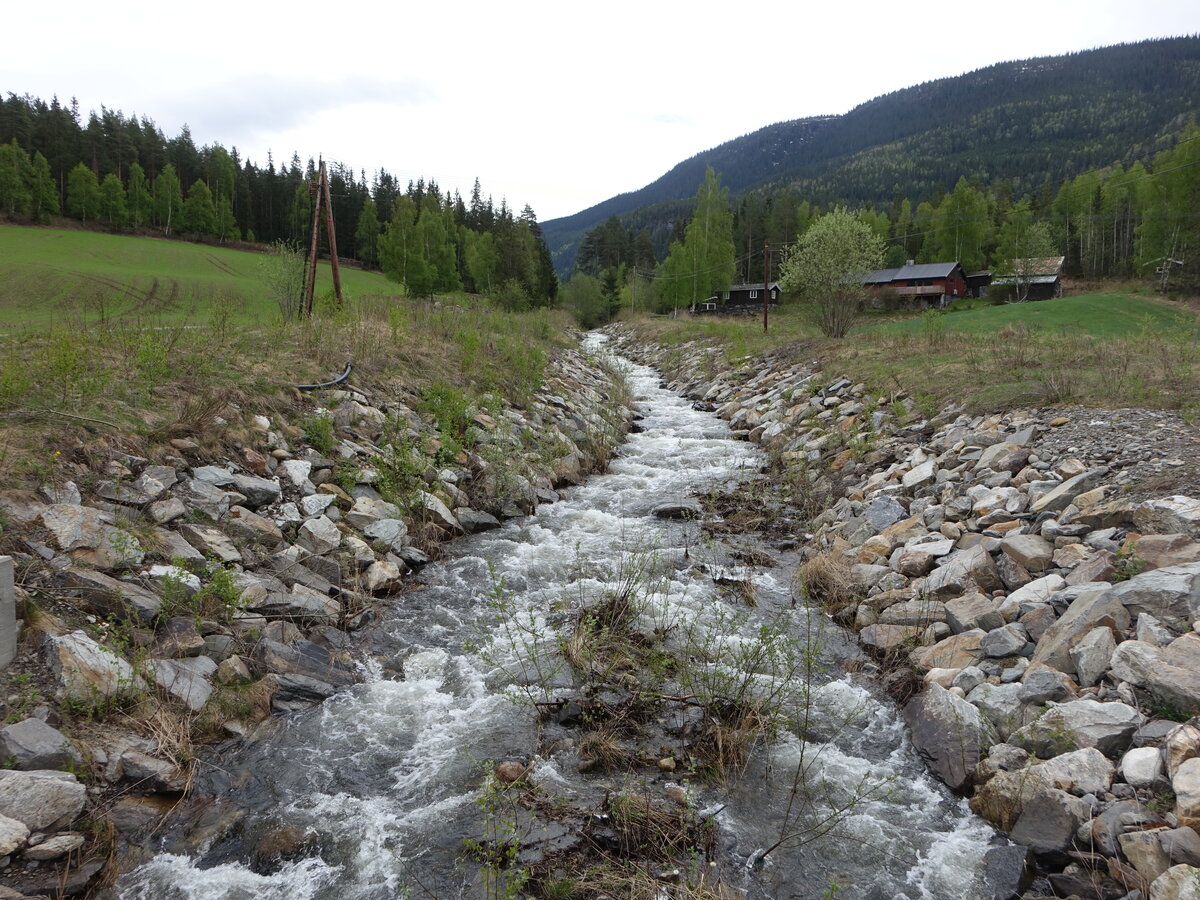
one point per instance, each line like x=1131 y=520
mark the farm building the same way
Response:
x=1031 y=279
x=924 y=286
x=739 y=300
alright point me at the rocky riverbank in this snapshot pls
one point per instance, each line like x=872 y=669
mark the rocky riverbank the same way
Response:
x=1028 y=583
x=173 y=601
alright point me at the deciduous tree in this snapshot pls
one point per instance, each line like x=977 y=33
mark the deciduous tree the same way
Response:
x=83 y=193
x=827 y=266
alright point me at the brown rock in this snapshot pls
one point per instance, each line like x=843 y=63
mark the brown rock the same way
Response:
x=1162 y=550
x=1100 y=567
x=955 y=652
x=511 y=771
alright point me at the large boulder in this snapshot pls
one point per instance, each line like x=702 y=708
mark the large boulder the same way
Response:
x=973 y=611
x=1060 y=497
x=964 y=571
x=1180 y=882
x=1004 y=706
x=1031 y=551
x=1094 y=605
x=949 y=733
x=106 y=596
x=955 y=652
x=32 y=744
x=1002 y=798
x=1049 y=820
x=88 y=672
x=41 y=800
x=1169 y=515
x=1170 y=674
x=1108 y=727
x=1079 y=772
x=187 y=680
x=1171 y=594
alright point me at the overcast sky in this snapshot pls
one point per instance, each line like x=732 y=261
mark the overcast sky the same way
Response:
x=556 y=105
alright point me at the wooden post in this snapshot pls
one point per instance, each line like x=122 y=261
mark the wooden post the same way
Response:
x=766 y=273
x=333 y=254
x=310 y=276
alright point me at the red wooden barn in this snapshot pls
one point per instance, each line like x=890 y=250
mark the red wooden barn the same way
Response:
x=929 y=285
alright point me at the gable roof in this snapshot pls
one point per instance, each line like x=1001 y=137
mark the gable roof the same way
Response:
x=907 y=272
x=752 y=287
x=1045 y=265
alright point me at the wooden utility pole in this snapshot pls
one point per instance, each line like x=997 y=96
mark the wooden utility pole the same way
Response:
x=320 y=194
x=766 y=283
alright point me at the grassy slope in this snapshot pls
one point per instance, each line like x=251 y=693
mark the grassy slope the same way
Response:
x=154 y=376
x=50 y=276
x=1098 y=315
x=1101 y=349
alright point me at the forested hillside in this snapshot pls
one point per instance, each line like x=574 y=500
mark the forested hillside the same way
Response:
x=1017 y=128
x=121 y=173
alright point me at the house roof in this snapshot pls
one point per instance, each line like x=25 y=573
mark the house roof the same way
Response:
x=907 y=272
x=1025 y=279
x=752 y=287
x=1045 y=265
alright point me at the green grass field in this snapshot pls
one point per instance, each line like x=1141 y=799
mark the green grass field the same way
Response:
x=51 y=276
x=1096 y=315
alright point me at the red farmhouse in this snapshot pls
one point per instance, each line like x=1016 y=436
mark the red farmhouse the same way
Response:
x=929 y=285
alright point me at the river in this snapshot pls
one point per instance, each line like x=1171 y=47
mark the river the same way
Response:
x=383 y=780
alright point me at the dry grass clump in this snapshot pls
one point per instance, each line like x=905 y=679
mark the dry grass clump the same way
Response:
x=658 y=829
x=826 y=579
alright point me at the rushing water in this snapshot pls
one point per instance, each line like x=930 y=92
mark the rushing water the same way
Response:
x=383 y=778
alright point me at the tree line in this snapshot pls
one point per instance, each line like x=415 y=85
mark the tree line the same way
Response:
x=1108 y=222
x=122 y=173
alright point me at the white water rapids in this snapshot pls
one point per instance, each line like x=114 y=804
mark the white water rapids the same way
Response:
x=384 y=776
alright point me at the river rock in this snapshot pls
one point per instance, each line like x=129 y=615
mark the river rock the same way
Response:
x=292 y=693
x=252 y=528
x=106 y=596
x=319 y=535
x=1003 y=706
x=177 y=638
x=963 y=571
x=949 y=733
x=1170 y=594
x=1090 y=655
x=955 y=652
x=1162 y=550
x=211 y=542
x=888 y=637
x=1108 y=727
x=1006 y=871
x=1144 y=853
x=86 y=671
x=1060 y=497
x=1049 y=820
x=1042 y=684
x=13 y=835
x=55 y=847
x=1032 y=552
x=971 y=612
x=1169 y=515
x=883 y=512
x=257 y=491
x=367 y=510
x=1093 y=605
x=1186 y=785
x=41 y=800
x=1079 y=772
x=302 y=604
x=187 y=680
x=1007 y=641
x=1142 y=766
x=32 y=744
x=151 y=773
x=1179 y=744
x=474 y=521
x=1170 y=674
x=440 y=513
x=1177 y=883
x=1182 y=845
x=918 y=612
x=1003 y=797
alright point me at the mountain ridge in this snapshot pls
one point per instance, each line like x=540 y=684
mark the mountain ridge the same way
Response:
x=1025 y=122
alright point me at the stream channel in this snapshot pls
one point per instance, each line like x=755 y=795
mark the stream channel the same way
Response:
x=384 y=778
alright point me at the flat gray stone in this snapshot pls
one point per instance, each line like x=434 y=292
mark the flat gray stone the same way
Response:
x=187 y=680
x=41 y=800
x=32 y=744
x=1079 y=724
